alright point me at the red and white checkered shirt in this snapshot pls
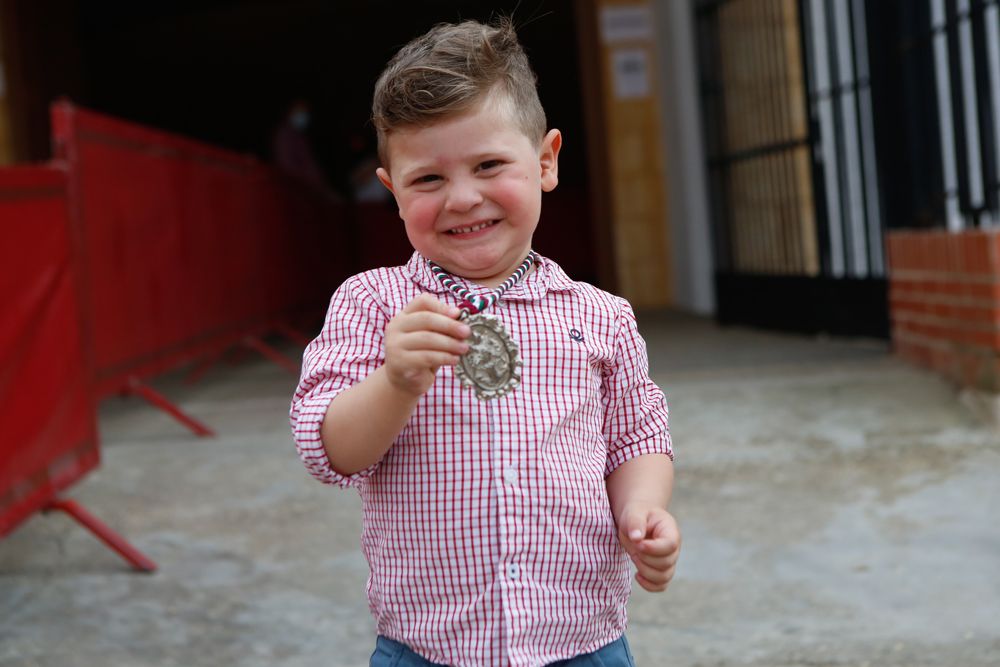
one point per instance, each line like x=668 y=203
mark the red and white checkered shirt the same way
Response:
x=487 y=525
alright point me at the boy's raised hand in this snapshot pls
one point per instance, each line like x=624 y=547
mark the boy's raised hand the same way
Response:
x=420 y=339
x=653 y=541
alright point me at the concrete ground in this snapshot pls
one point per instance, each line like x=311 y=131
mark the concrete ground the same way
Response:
x=838 y=507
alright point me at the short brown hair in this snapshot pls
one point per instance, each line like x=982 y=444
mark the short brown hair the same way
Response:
x=450 y=69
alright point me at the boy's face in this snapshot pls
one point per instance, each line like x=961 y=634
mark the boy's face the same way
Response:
x=469 y=190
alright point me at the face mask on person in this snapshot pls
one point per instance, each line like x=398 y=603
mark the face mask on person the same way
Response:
x=299 y=119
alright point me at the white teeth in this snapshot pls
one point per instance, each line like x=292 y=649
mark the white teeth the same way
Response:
x=473 y=228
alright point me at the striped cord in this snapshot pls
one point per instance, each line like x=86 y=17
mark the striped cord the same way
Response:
x=472 y=303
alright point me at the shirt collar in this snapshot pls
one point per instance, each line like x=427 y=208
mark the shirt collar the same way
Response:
x=547 y=276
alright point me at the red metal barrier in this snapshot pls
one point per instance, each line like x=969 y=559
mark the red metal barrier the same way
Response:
x=48 y=434
x=187 y=248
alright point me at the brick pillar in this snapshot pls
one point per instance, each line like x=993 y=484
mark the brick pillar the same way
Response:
x=944 y=301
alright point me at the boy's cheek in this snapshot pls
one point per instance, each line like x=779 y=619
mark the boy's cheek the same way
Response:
x=419 y=213
x=515 y=194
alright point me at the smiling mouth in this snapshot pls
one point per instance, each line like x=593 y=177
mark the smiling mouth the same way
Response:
x=472 y=228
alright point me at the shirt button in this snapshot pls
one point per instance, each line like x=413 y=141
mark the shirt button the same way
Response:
x=510 y=474
x=513 y=571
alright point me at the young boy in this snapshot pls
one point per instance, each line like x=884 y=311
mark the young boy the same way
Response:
x=499 y=517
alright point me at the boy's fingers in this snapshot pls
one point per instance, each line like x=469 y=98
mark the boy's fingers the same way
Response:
x=440 y=323
x=659 y=572
x=429 y=341
x=435 y=360
x=659 y=546
x=664 y=535
x=651 y=585
x=428 y=302
x=432 y=321
x=655 y=560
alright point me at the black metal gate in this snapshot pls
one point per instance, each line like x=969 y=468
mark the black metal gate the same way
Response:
x=937 y=111
x=797 y=216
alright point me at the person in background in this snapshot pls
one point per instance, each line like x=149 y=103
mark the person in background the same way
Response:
x=291 y=151
x=365 y=185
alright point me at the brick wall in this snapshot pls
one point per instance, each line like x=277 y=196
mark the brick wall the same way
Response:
x=944 y=300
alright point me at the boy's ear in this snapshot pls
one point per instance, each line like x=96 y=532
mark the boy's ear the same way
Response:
x=548 y=159
x=383 y=176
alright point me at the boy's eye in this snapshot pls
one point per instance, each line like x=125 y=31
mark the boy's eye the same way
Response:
x=428 y=178
x=489 y=164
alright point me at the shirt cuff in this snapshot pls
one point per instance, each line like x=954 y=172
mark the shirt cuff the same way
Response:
x=309 y=443
x=627 y=452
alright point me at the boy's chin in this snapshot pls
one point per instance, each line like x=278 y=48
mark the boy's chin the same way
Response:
x=468 y=270
x=481 y=263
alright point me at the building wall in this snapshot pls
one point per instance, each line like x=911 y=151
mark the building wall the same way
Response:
x=687 y=212
x=6 y=135
x=626 y=152
x=41 y=62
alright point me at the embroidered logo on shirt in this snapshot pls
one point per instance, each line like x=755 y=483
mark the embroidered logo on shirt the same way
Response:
x=576 y=335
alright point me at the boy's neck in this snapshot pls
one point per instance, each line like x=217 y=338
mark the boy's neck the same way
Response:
x=498 y=279
x=493 y=283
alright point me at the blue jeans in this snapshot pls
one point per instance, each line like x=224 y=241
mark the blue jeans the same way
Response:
x=389 y=653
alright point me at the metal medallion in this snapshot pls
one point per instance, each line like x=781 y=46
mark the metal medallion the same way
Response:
x=492 y=366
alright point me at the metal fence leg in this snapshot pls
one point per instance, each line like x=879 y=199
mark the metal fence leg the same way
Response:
x=160 y=401
x=292 y=334
x=255 y=343
x=113 y=540
x=204 y=366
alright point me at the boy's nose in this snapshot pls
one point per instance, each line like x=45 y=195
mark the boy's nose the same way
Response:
x=462 y=197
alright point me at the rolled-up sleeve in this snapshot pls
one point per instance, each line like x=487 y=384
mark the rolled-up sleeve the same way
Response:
x=347 y=350
x=636 y=420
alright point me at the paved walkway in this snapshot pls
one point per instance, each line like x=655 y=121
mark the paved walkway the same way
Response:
x=839 y=508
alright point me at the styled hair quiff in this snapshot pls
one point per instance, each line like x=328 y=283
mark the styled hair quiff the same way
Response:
x=449 y=70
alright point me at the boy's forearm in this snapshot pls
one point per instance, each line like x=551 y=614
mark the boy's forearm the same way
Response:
x=362 y=422
x=648 y=479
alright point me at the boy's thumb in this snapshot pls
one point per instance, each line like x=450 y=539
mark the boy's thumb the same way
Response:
x=633 y=524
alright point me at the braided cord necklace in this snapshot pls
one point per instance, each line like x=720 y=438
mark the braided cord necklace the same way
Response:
x=474 y=303
x=492 y=366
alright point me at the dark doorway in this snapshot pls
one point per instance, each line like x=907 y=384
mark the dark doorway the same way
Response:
x=223 y=71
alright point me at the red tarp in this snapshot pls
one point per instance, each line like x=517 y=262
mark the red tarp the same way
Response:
x=48 y=436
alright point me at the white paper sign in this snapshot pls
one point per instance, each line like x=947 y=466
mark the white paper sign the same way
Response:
x=630 y=73
x=626 y=23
